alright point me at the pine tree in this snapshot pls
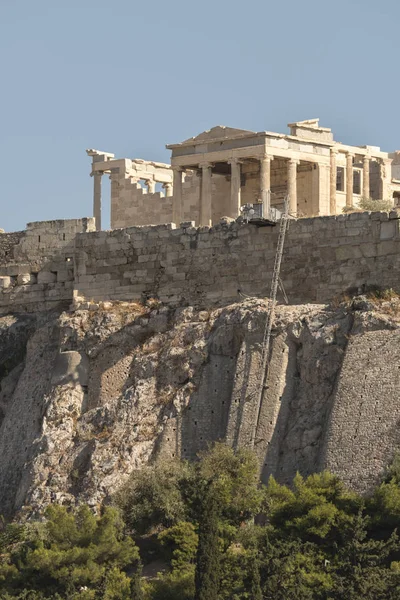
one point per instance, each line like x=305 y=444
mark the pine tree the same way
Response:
x=254 y=577
x=207 y=576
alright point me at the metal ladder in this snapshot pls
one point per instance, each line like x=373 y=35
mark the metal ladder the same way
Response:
x=284 y=221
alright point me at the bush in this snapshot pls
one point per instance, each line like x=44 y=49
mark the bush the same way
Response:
x=370 y=205
x=172 y=586
x=152 y=497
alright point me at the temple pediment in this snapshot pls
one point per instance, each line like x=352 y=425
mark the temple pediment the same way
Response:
x=220 y=132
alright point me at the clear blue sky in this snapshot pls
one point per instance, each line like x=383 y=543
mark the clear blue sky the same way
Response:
x=130 y=76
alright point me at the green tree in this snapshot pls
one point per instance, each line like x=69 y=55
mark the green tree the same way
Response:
x=384 y=508
x=207 y=576
x=117 y=585
x=76 y=552
x=172 y=586
x=254 y=579
x=152 y=497
x=180 y=543
x=318 y=509
x=236 y=481
x=361 y=566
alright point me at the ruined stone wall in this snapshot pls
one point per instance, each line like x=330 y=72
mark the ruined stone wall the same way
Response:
x=132 y=205
x=220 y=201
x=37 y=265
x=8 y=243
x=191 y=195
x=191 y=189
x=322 y=258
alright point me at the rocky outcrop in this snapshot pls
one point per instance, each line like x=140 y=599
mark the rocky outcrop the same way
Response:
x=88 y=396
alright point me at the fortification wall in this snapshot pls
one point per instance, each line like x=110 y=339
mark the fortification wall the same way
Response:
x=54 y=261
x=323 y=257
x=37 y=265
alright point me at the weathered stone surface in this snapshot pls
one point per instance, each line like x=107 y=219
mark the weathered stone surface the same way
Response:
x=89 y=396
x=66 y=261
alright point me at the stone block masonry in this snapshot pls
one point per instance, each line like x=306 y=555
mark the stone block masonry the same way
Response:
x=37 y=265
x=61 y=261
x=203 y=266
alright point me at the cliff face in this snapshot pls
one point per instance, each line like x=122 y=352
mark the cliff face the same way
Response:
x=87 y=397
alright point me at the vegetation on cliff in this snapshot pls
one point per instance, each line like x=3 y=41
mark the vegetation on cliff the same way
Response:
x=208 y=530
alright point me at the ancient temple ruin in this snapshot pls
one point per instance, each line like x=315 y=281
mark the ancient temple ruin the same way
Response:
x=215 y=173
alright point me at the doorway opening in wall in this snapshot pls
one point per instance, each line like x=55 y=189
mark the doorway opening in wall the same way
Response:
x=106 y=202
x=340 y=179
x=396 y=198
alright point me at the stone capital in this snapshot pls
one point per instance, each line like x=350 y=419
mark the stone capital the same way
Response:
x=334 y=151
x=293 y=161
x=205 y=165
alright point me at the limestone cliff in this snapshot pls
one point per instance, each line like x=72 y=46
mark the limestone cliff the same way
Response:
x=88 y=396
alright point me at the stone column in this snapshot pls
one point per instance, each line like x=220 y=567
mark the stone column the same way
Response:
x=385 y=178
x=333 y=179
x=235 y=204
x=349 y=179
x=292 y=186
x=205 y=197
x=151 y=186
x=168 y=189
x=97 y=198
x=265 y=184
x=115 y=209
x=177 y=196
x=366 y=191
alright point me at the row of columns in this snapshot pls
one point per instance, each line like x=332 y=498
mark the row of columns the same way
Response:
x=151 y=186
x=349 y=179
x=175 y=190
x=265 y=185
x=235 y=200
